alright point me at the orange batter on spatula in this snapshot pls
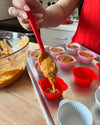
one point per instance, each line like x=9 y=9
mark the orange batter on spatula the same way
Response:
x=48 y=67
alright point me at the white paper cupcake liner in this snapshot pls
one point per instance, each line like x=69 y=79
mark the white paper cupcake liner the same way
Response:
x=97 y=98
x=73 y=113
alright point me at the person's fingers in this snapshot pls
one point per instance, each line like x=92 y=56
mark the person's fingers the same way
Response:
x=38 y=17
x=23 y=20
x=40 y=23
x=19 y=4
x=24 y=23
x=17 y=13
x=27 y=27
x=23 y=4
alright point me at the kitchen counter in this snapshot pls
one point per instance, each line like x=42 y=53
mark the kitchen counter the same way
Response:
x=58 y=35
x=69 y=27
x=19 y=104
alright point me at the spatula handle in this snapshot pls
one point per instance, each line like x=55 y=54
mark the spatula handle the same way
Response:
x=33 y=24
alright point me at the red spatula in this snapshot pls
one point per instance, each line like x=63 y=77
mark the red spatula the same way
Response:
x=44 y=55
x=33 y=24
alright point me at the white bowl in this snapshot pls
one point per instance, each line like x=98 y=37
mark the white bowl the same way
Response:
x=73 y=113
x=97 y=98
x=34 y=54
x=72 y=51
x=54 y=54
x=86 y=60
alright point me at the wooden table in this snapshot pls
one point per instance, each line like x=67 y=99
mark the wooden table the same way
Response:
x=19 y=104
